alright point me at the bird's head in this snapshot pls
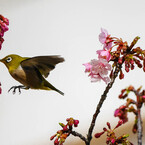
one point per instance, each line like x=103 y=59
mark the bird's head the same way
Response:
x=11 y=61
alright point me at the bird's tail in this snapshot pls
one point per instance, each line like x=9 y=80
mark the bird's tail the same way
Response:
x=51 y=87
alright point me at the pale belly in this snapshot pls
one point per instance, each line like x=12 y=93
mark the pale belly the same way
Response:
x=19 y=75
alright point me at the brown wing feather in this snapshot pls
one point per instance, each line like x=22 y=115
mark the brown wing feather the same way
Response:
x=43 y=63
x=29 y=76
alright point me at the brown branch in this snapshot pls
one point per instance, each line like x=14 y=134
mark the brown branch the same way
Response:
x=139 y=120
x=139 y=127
x=79 y=135
x=103 y=97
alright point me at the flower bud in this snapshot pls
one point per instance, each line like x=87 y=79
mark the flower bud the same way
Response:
x=108 y=124
x=120 y=122
x=52 y=137
x=105 y=129
x=97 y=135
x=65 y=128
x=130 y=88
x=126 y=68
x=120 y=60
x=134 y=128
x=61 y=124
x=144 y=68
x=132 y=66
x=113 y=141
x=121 y=75
x=131 y=61
x=56 y=142
x=76 y=122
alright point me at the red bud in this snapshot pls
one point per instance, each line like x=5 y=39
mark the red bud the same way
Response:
x=76 y=122
x=108 y=124
x=97 y=135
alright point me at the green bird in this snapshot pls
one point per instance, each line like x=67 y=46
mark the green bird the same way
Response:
x=31 y=72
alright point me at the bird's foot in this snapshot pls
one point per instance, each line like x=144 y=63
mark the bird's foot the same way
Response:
x=17 y=87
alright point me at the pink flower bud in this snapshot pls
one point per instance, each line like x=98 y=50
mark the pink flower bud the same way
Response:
x=68 y=119
x=131 y=61
x=105 y=129
x=120 y=122
x=144 y=68
x=52 y=137
x=130 y=88
x=120 y=60
x=139 y=65
x=126 y=69
x=134 y=129
x=56 y=142
x=76 y=122
x=132 y=66
x=113 y=141
x=65 y=128
x=116 y=112
x=97 y=135
x=108 y=124
x=121 y=75
x=140 y=57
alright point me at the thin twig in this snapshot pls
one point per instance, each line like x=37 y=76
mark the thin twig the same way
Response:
x=139 y=127
x=103 y=97
x=139 y=120
x=79 y=135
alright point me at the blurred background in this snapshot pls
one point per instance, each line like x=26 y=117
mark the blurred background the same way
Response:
x=70 y=29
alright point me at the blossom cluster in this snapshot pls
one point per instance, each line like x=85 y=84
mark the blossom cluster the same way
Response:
x=4 y=22
x=117 y=51
x=98 y=68
x=111 y=136
x=61 y=135
x=131 y=105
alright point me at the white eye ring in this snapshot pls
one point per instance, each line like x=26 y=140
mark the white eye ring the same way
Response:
x=8 y=59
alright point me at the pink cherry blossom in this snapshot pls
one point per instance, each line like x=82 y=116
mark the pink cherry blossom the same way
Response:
x=105 y=39
x=103 y=35
x=4 y=22
x=98 y=70
x=104 y=54
x=88 y=67
x=100 y=66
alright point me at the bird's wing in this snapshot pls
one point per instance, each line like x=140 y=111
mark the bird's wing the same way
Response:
x=33 y=76
x=43 y=63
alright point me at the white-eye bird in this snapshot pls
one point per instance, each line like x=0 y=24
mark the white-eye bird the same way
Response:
x=31 y=72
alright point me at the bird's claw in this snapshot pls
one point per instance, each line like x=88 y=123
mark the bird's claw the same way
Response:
x=16 y=87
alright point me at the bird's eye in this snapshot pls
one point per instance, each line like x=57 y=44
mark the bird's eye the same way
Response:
x=8 y=59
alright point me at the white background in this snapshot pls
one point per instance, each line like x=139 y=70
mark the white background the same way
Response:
x=69 y=28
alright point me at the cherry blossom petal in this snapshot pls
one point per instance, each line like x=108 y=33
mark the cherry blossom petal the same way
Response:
x=104 y=54
x=88 y=67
